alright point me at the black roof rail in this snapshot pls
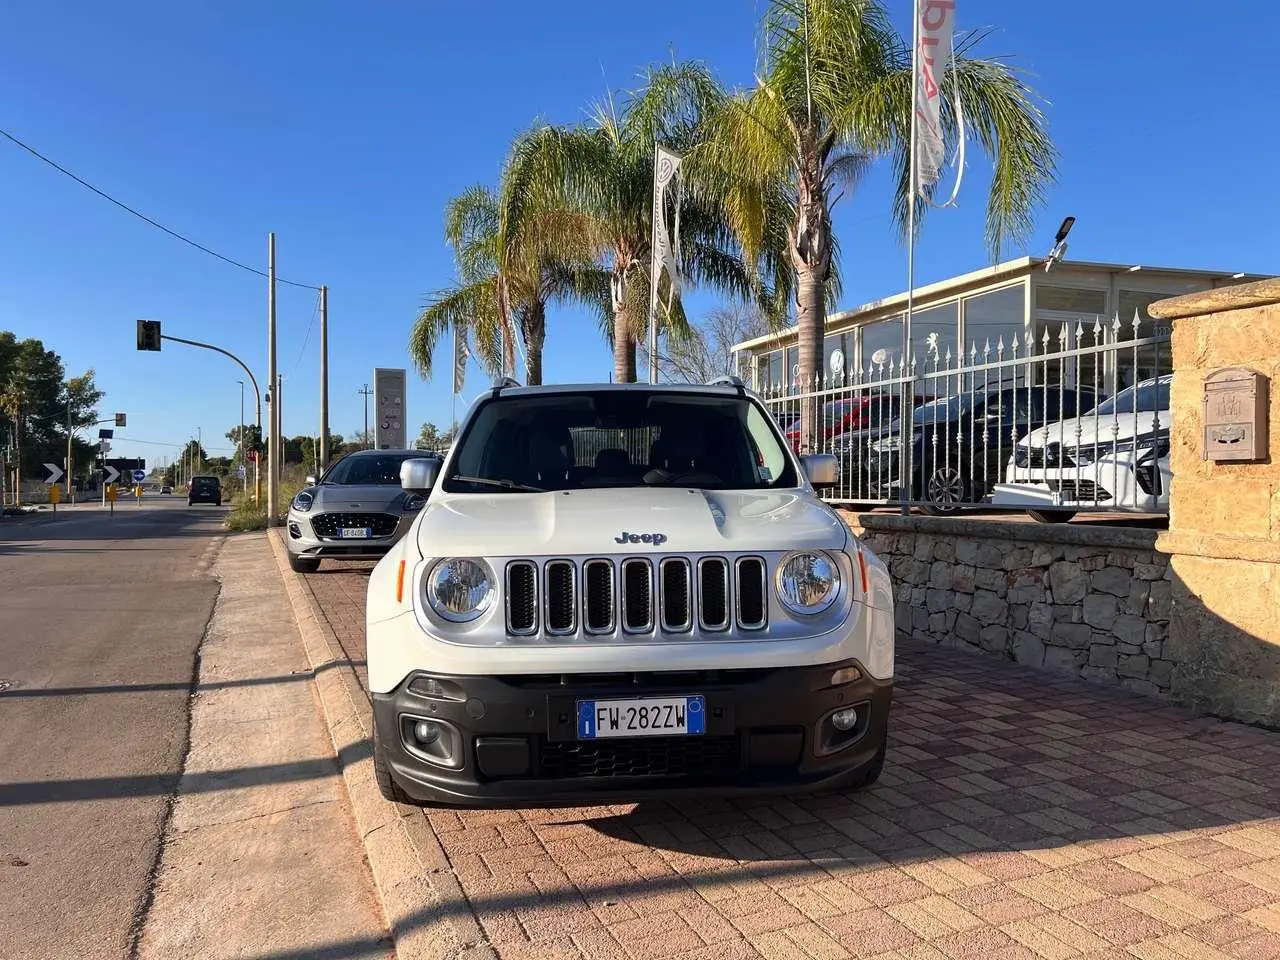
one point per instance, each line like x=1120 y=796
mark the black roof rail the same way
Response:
x=502 y=383
x=728 y=380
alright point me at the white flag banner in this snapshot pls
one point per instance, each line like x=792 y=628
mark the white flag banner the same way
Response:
x=935 y=49
x=461 y=351
x=664 y=252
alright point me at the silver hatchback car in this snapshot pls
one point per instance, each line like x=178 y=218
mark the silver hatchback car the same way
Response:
x=355 y=511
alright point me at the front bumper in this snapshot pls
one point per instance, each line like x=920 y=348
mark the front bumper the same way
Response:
x=1109 y=483
x=302 y=540
x=514 y=739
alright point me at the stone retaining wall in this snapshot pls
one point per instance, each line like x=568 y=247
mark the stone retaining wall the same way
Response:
x=1092 y=602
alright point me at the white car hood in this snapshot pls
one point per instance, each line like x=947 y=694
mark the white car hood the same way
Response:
x=1099 y=430
x=576 y=522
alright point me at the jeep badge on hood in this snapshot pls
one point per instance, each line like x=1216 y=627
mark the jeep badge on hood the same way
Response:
x=656 y=539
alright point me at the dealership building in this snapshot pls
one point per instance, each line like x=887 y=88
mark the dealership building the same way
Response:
x=1018 y=298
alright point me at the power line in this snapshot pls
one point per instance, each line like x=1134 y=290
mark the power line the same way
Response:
x=142 y=216
x=315 y=314
x=161 y=443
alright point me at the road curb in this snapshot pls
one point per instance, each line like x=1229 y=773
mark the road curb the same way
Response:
x=426 y=910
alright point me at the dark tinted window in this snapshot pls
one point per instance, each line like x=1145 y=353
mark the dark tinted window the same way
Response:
x=376 y=469
x=616 y=438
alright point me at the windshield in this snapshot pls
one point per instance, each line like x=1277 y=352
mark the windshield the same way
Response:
x=948 y=408
x=1140 y=398
x=364 y=469
x=631 y=438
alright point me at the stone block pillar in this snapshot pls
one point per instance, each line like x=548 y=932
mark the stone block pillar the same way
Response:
x=1224 y=527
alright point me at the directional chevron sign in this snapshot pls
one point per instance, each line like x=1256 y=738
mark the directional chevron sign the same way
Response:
x=55 y=473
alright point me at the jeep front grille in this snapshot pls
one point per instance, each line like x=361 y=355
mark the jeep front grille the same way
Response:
x=600 y=597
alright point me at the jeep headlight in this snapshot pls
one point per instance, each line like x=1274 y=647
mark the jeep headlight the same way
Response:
x=460 y=589
x=808 y=582
x=302 y=502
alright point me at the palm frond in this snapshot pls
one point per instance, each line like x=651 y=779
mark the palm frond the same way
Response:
x=474 y=308
x=1001 y=112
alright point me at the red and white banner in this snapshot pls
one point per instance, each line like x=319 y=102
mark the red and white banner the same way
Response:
x=934 y=47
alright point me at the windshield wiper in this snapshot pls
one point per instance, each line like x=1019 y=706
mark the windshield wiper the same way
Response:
x=504 y=484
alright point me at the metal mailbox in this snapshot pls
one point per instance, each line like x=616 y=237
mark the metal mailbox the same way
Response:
x=1235 y=415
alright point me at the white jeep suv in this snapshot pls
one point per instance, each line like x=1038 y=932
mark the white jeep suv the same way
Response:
x=620 y=590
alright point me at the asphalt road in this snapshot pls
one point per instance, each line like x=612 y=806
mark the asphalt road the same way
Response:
x=101 y=618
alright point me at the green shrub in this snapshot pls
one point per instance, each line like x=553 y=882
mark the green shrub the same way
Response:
x=246 y=515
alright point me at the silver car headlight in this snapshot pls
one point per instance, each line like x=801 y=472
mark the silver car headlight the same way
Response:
x=302 y=501
x=413 y=503
x=808 y=582
x=460 y=589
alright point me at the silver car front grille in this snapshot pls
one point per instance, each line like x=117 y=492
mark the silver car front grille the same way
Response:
x=599 y=598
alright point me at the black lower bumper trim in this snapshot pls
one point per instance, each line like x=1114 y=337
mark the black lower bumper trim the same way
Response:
x=504 y=741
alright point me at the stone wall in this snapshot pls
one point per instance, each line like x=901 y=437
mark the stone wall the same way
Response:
x=1224 y=530
x=1091 y=602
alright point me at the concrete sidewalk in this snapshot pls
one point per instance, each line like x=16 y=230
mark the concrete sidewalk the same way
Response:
x=260 y=858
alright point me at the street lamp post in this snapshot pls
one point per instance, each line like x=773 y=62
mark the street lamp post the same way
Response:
x=257 y=471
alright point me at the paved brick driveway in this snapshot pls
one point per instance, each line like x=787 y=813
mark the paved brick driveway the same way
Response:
x=1020 y=816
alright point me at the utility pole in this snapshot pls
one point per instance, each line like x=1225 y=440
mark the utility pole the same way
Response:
x=324 y=379
x=273 y=461
x=366 y=393
x=70 y=496
x=279 y=443
x=244 y=481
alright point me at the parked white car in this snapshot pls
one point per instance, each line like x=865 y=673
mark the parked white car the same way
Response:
x=615 y=591
x=1116 y=456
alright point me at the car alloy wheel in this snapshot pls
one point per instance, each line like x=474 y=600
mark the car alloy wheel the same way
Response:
x=945 y=490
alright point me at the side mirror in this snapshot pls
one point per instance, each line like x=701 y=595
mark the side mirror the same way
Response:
x=419 y=474
x=311 y=481
x=822 y=469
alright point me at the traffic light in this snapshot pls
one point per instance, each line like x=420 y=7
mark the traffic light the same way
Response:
x=120 y=419
x=148 y=334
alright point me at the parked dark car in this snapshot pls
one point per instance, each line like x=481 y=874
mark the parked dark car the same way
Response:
x=204 y=490
x=960 y=444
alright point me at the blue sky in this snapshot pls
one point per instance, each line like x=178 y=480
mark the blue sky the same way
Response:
x=345 y=127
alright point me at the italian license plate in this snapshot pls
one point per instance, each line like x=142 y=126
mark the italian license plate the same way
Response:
x=645 y=717
x=355 y=533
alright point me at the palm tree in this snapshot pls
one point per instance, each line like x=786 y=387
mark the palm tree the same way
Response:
x=835 y=96
x=603 y=173
x=507 y=280
x=474 y=305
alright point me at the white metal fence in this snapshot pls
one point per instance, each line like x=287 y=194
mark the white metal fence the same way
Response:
x=1072 y=419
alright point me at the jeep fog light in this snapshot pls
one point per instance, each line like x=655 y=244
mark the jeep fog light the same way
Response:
x=435 y=741
x=459 y=590
x=808 y=582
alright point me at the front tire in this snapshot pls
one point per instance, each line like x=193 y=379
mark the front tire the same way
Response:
x=303 y=564
x=387 y=785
